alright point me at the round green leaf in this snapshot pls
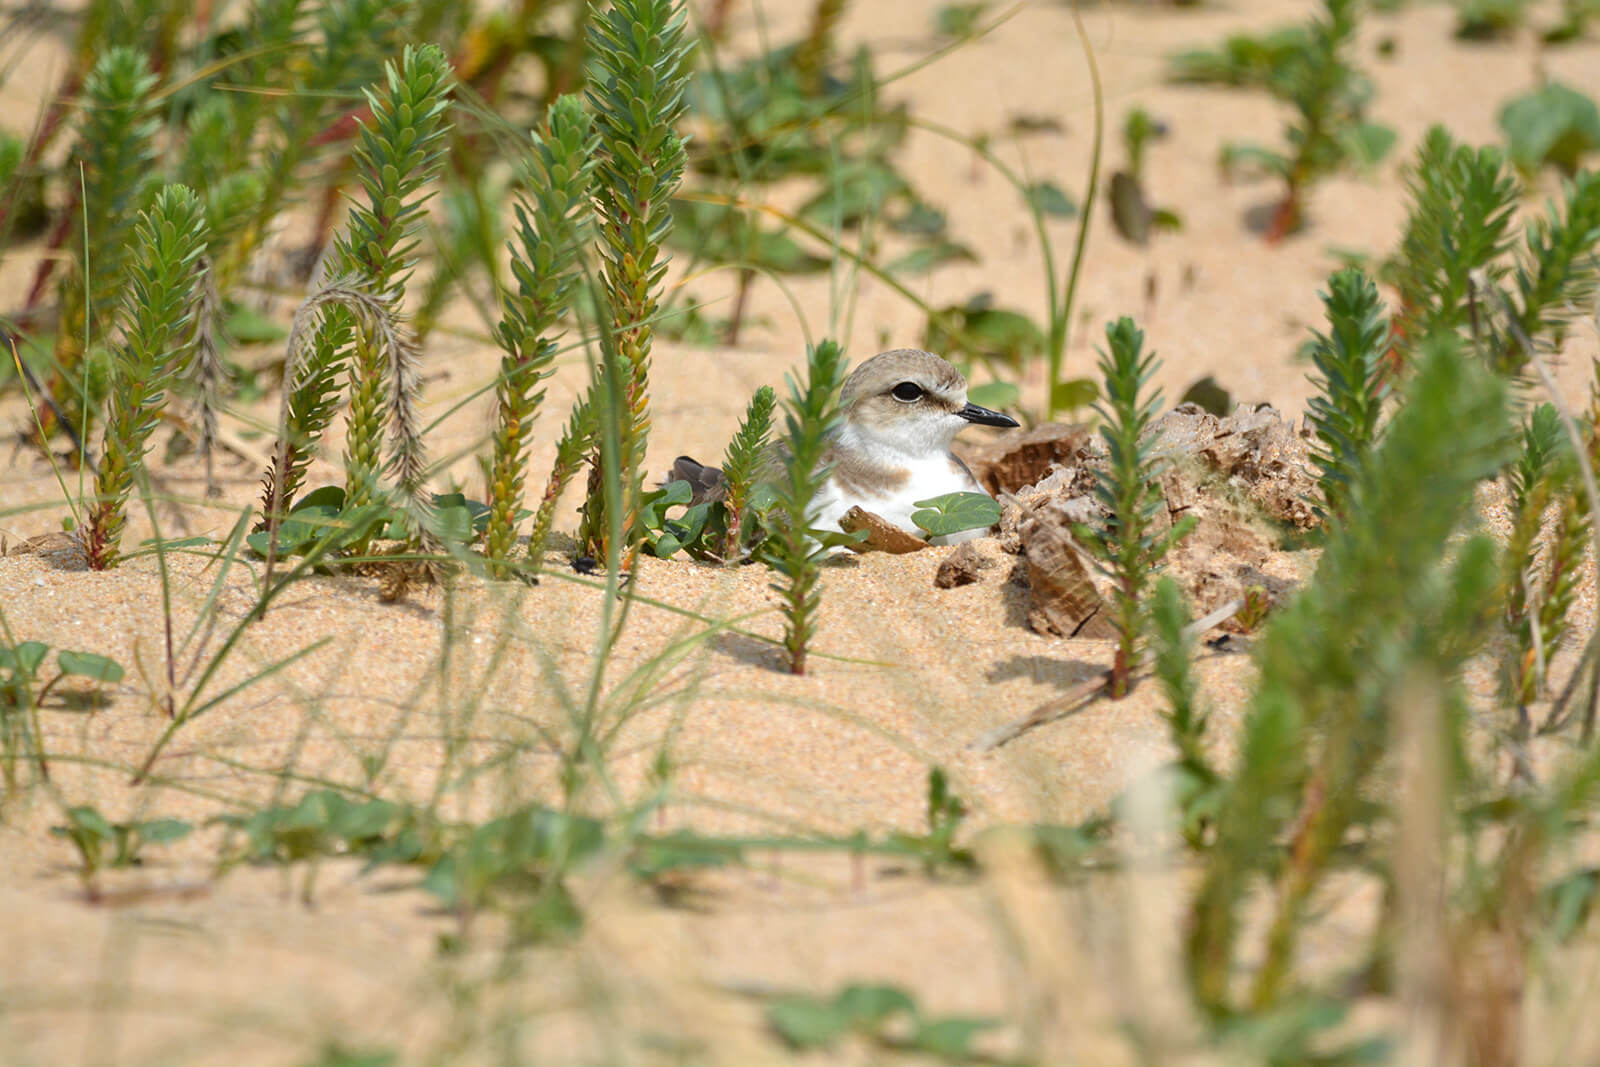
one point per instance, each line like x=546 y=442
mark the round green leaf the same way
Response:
x=955 y=512
x=89 y=665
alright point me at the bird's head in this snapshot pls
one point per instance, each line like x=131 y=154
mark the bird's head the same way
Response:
x=911 y=402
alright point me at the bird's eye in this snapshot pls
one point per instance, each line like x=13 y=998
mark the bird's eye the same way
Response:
x=907 y=392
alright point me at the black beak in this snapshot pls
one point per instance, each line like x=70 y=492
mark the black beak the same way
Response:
x=985 y=417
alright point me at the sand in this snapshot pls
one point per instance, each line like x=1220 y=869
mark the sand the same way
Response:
x=396 y=699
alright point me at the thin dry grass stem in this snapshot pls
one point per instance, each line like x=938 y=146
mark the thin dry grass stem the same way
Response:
x=386 y=326
x=1144 y=954
x=383 y=324
x=1422 y=956
x=1087 y=692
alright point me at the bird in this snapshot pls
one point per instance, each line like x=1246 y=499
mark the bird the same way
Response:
x=899 y=412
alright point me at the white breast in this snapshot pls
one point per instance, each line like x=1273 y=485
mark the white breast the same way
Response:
x=930 y=477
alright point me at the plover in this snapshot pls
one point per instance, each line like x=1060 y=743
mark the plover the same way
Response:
x=900 y=411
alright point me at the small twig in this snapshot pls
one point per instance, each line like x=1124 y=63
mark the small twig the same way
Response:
x=1087 y=692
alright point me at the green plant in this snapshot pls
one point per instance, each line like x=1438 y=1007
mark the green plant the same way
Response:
x=1129 y=544
x=92 y=834
x=796 y=554
x=1483 y=20
x=1352 y=385
x=955 y=513
x=1388 y=608
x=1243 y=61
x=1575 y=18
x=351 y=321
x=1558 y=275
x=1555 y=125
x=1538 y=604
x=937 y=848
x=21 y=696
x=871 y=1011
x=1197 y=782
x=550 y=232
x=1131 y=211
x=746 y=460
x=157 y=307
x=117 y=151
x=577 y=440
x=1330 y=130
x=640 y=52
x=1462 y=202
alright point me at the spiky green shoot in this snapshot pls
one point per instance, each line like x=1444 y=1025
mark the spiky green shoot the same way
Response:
x=1462 y=200
x=640 y=54
x=1174 y=646
x=544 y=261
x=811 y=415
x=349 y=38
x=743 y=464
x=1129 y=544
x=116 y=145
x=1537 y=609
x=1531 y=483
x=1557 y=279
x=1351 y=381
x=160 y=294
x=576 y=442
x=399 y=153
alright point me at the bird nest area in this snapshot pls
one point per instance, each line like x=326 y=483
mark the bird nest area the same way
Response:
x=402 y=811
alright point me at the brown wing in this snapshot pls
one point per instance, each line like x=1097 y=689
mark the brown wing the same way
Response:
x=706 y=482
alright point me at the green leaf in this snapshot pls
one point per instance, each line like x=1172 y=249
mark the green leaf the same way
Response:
x=458 y=518
x=324 y=496
x=1236 y=156
x=1366 y=143
x=996 y=395
x=89 y=665
x=954 y=512
x=85 y=823
x=920 y=219
x=654 y=504
x=958 y=20
x=807 y=1023
x=1554 y=125
x=854 y=192
x=338 y=1056
x=926 y=257
x=868 y=1007
x=162 y=831
x=1048 y=198
x=1209 y=395
x=1074 y=393
x=24 y=658
x=248 y=326
x=1129 y=212
x=950 y=1038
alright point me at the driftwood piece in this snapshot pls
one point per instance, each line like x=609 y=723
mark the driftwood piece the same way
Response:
x=960 y=567
x=1019 y=458
x=1257 y=450
x=1062 y=599
x=882 y=535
